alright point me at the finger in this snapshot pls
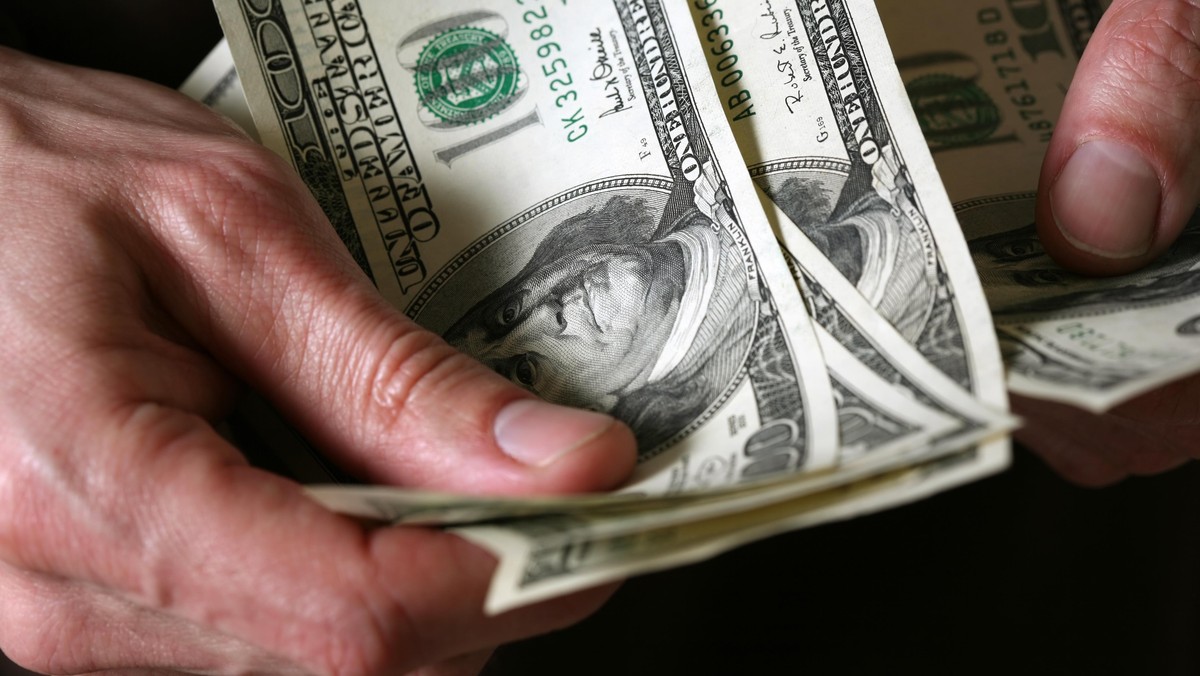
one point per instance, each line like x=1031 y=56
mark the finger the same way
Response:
x=284 y=304
x=1122 y=173
x=1145 y=436
x=179 y=524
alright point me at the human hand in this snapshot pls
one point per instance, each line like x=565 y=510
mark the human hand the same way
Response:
x=1120 y=180
x=1122 y=173
x=153 y=258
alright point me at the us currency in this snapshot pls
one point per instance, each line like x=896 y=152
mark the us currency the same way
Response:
x=847 y=321
x=823 y=123
x=723 y=466
x=587 y=241
x=554 y=555
x=882 y=430
x=876 y=421
x=767 y=378
x=822 y=119
x=637 y=518
x=987 y=81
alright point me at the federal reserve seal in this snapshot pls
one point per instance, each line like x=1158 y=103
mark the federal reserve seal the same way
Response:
x=953 y=111
x=467 y=75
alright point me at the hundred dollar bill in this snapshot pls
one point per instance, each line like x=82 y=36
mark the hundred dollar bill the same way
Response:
x=875 y=421
x=987 y=81
x=595 y=241
x=827 y=134
x=824 y=125
x=846 y=318
x=907 y=450
x=881 y=428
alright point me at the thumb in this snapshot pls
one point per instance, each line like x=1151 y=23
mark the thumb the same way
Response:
x=1122 y=174
x=282 y=304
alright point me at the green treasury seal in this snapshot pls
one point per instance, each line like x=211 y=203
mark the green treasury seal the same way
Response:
x=466 y=75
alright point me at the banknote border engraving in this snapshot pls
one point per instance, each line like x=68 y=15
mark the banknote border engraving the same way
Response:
x=323 y=130
x=310 y=151
x=873 y=132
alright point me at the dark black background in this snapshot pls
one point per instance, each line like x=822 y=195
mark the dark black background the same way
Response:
x=1020 y=573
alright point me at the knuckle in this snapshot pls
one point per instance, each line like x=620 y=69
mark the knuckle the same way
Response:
x=413 y=363
x=160 y=451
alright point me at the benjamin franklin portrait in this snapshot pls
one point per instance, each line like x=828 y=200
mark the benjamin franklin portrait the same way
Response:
x=625 y=308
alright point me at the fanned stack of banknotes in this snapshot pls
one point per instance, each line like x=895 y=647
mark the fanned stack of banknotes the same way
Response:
x=788 y=253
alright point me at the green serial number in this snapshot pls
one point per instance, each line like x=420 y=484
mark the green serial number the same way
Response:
x=555 y=69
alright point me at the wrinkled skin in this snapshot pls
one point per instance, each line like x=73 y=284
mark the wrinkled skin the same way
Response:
x=153 y=261
x=1138 y=90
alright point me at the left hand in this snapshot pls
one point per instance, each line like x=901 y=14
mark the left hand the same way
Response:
x=153 y=257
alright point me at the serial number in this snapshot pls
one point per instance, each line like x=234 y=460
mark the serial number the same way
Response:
x=555 y=69
x=1016 y=88
x=720 y=51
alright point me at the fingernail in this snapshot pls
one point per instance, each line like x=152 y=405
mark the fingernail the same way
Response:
x=1106 y=200
x=537 y=433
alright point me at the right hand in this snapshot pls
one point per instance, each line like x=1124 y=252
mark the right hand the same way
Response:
x=1121 y=176
x=152 y=258
x=1120 y=180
